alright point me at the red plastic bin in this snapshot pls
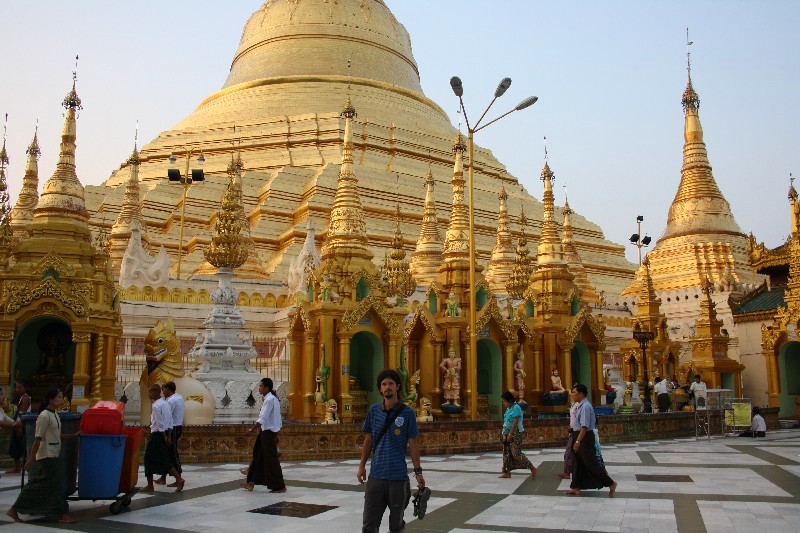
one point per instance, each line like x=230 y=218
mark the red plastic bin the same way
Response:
x=104 y=418
x=129 y=476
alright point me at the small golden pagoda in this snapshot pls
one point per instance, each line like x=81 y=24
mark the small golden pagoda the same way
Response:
x=710 y=349
x=561 y=332
x=663 y=355
x=60 y=321
x=344 y=322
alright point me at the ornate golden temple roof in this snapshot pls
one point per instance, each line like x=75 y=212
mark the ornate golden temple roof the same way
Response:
x=456 y=245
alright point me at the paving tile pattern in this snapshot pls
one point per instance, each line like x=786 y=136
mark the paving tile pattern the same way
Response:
x=682 y=484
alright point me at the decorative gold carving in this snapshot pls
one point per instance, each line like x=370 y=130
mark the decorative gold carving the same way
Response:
x=199 y=398
x=81 y=336
x=423 y=315
x=492 y=311
x=21 y=293
x=53 y=261
x=230 y=243
x=370 y=302
x=7 y=335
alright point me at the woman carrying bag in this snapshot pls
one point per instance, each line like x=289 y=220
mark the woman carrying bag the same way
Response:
x=513 y=431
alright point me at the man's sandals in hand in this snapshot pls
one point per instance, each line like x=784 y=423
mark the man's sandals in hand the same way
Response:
x=420 y=502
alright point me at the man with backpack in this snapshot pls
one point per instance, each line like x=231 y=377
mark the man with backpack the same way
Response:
x=390 y=428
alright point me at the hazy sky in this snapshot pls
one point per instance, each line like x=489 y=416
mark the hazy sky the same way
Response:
x=609 y=76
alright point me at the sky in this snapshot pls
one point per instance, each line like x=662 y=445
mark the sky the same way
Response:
x=609 y=77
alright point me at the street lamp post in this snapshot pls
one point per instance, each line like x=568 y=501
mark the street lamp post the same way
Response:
x=644 y=338
x=637 y=240
x=186 y=180
x=472 y=356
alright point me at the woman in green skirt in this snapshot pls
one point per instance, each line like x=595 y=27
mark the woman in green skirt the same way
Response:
x=43 y=494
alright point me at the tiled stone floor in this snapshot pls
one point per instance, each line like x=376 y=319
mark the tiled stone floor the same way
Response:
x=728 y=484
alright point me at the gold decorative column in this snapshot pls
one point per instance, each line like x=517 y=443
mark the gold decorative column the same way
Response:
x=308 y=372
x=80 y=378
x=6 y=342
x=95 y=394
x=295 y=379
x=344 y=379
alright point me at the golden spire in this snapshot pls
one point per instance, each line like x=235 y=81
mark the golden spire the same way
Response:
x=399 y=280
x=456 y=244
x=347 y=229
x=62 y=195
x=708 y=342
x=520 y=278
x=550 y=250
x=648 y=304
x=229 y=248
x=6 y=233
x=501 y=265
x=699 y=206
x=130 y=213
x=795 y=206
x=573 y=259
x=22 y=214
x=428 y=257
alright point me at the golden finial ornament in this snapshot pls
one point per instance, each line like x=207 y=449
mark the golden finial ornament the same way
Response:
x=230 y=243
x=520 y=278
x=399 y=281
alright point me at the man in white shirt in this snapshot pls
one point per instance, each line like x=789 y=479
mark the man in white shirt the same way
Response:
x=157 y=458
x=698 y=390
x=662 y=395
x=176 y=405
x=758 y=428
x=265 y=468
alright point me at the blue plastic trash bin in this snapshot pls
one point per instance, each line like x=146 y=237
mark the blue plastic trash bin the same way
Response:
x=100 y=466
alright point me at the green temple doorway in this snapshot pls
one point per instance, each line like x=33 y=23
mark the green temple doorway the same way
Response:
x=44 y=355
x=366 y=361
x=581 y=367
x=789 y=369
x=490 y=376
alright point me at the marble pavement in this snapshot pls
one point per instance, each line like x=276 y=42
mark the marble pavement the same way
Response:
x=686 y=485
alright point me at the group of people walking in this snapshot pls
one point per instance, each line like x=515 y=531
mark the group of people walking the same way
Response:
x=161 y=455
x=583 y=461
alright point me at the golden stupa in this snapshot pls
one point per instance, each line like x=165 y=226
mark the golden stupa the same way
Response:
x=296 y=64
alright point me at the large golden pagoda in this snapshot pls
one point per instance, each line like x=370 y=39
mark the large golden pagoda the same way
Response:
x=702 y=239
x=296 y=63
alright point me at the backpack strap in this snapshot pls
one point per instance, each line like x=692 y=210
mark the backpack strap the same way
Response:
x=393 y=414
